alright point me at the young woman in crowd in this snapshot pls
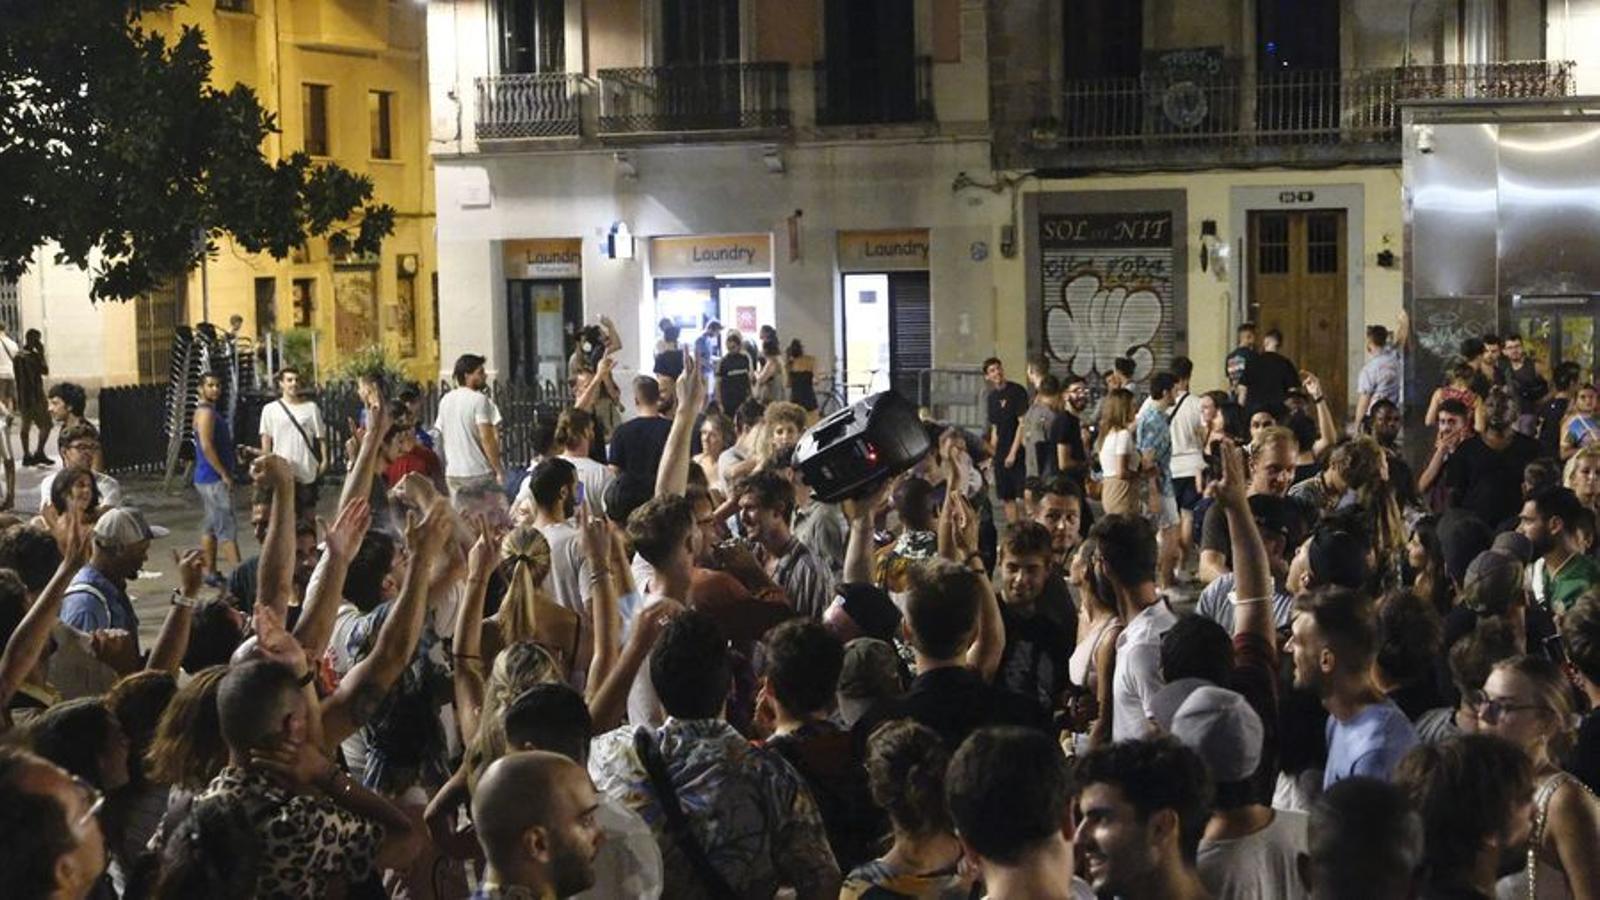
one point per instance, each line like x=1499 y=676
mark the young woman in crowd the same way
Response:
x=772 y=375
x=1581 y=428
x=716 y=434
x=802 y=369
x=1527 y=701
x=73 y=492
x=1095 y=656
x=906 y=763
x=1458 y=386
x=1119 y=464
x=1424 y=568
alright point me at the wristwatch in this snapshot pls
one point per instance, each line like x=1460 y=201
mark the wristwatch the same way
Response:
x=178 y=599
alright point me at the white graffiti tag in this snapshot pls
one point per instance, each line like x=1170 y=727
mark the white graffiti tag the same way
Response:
x=1095 y=325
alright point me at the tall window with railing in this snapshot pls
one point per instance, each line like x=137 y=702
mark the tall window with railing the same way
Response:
x=871 y=72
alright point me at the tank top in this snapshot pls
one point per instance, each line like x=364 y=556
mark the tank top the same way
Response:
x=221 y=440
x=1540 y=880
x=802 y=390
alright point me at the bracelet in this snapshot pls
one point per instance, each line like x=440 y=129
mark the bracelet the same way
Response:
x=1317 y=399
x=1236 y=601
x=307 y=678
x=178 y=599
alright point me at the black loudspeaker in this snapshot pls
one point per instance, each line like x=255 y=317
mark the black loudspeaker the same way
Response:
x=851 y=452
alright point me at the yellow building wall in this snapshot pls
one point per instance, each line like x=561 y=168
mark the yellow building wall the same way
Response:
x=1209 y=300
x=353 y=46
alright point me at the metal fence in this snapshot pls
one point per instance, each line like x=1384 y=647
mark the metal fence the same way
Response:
x=1306 y=106
x=702 y=97
x=530 y=105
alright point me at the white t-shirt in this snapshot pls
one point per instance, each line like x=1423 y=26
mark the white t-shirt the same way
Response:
x=1117 y=445
x=1137 y=675
x=1258 y=866
x=569 y=584
x=594 y=477
x=110 y=490
x=286 y=439
x=460 y=413
x=1188 y=442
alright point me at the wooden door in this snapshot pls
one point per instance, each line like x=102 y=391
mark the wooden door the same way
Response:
x=1298 y=267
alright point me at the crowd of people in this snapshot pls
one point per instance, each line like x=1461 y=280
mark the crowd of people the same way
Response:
x=1128 y=640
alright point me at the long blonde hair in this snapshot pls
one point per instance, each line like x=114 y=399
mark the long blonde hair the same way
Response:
x=518 y=667
x=1116 y=413
x=526 y=563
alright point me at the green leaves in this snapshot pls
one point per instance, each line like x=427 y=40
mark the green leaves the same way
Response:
x=115 y=145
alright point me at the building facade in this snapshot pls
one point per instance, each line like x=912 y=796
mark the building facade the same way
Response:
x=346 y=80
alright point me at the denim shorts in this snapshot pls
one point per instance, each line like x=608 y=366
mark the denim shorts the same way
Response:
x=218 y=502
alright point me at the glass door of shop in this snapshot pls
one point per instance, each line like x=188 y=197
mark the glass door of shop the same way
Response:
x=542 y=315
x=1554 y=334
x=740 y=304
x=888 y=333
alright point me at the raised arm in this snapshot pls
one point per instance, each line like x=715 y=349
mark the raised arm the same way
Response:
x=673 y=476
x=27 y=643
x=358 y=481
x=596 y=386
x=1327 y=428
x=467 y=645
x=1402 y=330
x=594 y=534
x=607 y=705
x=371 y=679
x=1252 y=611
x=990 y=644
x=858 y=550
x=276 y=574
x=326 y=590
x=173 y=642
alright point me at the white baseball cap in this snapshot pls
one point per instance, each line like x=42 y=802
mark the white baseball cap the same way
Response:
x=124 y=525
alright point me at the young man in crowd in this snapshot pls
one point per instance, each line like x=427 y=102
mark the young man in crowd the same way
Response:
x=79 y=446
x=98 y=597
x=1568 y=573
x=752 y=815
x=1006 y=402
x=1382 y=373
x=1272 y=467
x=1066 y=431
x=1365 y=843
x=1126 y=572
x=292 y=428
x=1153 y=432
x=1188 y=454
x=1580 y=629
x=575 y=434
x=821 y=527
x=1239 y=358
x=1269 y=377
x=1010 y=792
x=51 y=841
x=1382 y=424
x=1278 y=522
x=766 y=502
x=1034 y=662
x=637 y=444
x=534 y=813
x=468 y=421
x=1528 y=386
x=1475 y=796
x=33 y=410
x=1453 y=428
x=213 y=479
x=1142 y=812
x=1334 y=643
x=1484 y=474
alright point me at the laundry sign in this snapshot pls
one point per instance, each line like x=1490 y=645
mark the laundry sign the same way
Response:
x=699 y=255
x=883 y=251
x=544 y=258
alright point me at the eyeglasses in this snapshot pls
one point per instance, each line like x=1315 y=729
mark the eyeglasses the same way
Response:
x=94 y=799
x=84 y=446
x=1490 y=711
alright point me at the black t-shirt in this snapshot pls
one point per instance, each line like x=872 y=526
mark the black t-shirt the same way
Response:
x=1034 y=662
x=955 y=701
x=1215 y=534
x=1006 y=406
x=1270 y=377
x=733 y=386
x=1550 y=416
x=1403 y=479
x=1066 y=429
x=1585 y=759
x=1527 y=383
x=1488 y=483
x=637 y=445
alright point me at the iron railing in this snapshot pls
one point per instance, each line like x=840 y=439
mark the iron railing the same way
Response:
x=1329 y=106
x=702 y=97
x=530 y=106
x=871 y=92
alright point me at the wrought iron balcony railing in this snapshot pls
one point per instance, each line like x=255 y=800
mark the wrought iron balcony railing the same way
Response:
x=869 y=92
x=686 y=98
x=530 y=106
x=1248 y=108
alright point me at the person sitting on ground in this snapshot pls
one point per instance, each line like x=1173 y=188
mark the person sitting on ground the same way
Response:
x=1010 y=793
x=1143 y=809
x=79 y=447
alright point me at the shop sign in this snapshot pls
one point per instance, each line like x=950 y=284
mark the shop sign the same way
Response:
x=700 y=255
x=544 y=258
x=883 y=251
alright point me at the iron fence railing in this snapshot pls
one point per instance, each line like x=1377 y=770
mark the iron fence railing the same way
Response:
x=703 y=97
x=1326 y=106
x=869 y=91
x=530 y=105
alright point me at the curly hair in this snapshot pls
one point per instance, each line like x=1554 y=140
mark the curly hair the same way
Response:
x=906 y=763
x=1409 y=637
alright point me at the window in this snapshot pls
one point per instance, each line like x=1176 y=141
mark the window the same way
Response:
x=305 y=302
x=240 y=6
x=533 y=36
x=266 y=305
x=315 y=112
x=379 y=109
x=10 y=312
x=1272 y=245
x=700 y=31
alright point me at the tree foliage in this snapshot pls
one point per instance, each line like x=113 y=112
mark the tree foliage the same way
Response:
x=116 y=146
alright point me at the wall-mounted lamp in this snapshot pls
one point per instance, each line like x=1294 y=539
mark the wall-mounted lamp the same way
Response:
x=625 y=165
x=619 y=241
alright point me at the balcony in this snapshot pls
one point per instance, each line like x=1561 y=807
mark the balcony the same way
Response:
x=1247 y=118
x=523 y=106
x=714 y=97
x=869 y=92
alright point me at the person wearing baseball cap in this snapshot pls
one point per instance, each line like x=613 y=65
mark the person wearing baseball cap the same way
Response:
x=1280 y=526
x=1330 y=558
x=1249 y=849
x=98 y=598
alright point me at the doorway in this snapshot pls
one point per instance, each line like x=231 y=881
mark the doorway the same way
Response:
x=1298 y=270
x=888 y=334
x=541 y=316
x=1555 y=334
x=740 y=304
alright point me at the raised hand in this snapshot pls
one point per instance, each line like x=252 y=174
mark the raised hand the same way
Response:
x=691 y=384
x=275 y=643
x=298 y=765
x=191 y=569
x=344 y=537
x=1231 y=487
x=1311 y=383
x=273 y=469
x=485 y=553
x=73 y=538
x=594 y=535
